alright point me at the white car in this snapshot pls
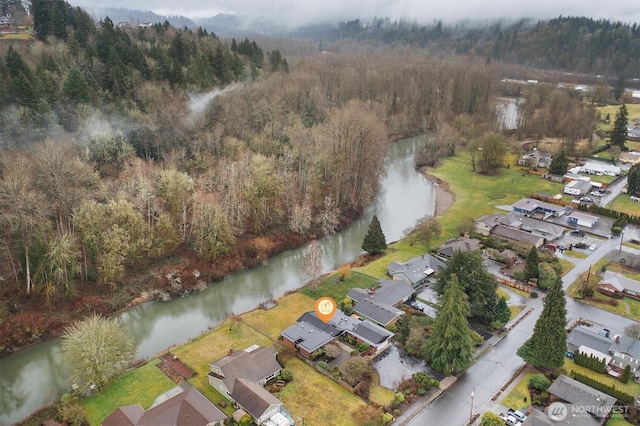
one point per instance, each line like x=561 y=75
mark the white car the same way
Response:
x=596 y=194
x=592 y=247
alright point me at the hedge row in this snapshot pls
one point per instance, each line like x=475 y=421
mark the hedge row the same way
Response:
x=609 y=390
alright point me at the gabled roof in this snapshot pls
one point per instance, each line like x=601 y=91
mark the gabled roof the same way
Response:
x=186 y=408
x=583 y=336
x=450 y=247
x=531 y=204
x=516 y=235
x=392 y=292
x=253 y=397
x=598 y=404
x=627 y=345
x=254 y=365
x=619 y=280
x=382 y=314
x=416 y=269
x=307 y=336
x=583 y=216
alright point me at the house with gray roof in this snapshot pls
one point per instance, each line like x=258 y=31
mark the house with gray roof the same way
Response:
x=484 y=224
x=380 y=304
x=238 y=376
x=531 y=206
x=541 y=228
x=618 y=283
x=450 y=247
x=181 y=406
x=516 y=235
x=417 y=271
x=535 y=158
x=310 y=333
x=593 y=403
x=625 y=351
x=584 y=336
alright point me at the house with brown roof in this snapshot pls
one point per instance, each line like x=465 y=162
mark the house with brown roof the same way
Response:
x=516 y=235
x=181 y=406
x=617 y=284
x=449 y=248
x=241 y=375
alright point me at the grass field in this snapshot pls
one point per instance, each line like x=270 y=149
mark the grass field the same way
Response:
x=623 y=203
x=332 y=287
x=575 y=253
x=400 y=251
x=516 y=398
x=317 y=398
x=631 y=388
x=273 y=321
x=617 y=419
x=474 y=191
x=127 y=390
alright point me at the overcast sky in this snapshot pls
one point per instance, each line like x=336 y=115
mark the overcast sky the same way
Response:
x=292 y=13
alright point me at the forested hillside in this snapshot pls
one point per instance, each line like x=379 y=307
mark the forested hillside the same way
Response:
x=114 y=184
x=566 y=43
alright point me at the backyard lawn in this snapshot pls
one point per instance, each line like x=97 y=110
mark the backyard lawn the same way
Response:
x=127 y=390
x=631 y=388
x=623 y=203
x=317 y=398
x=331 y=286
x=273 y=321
x=617 y=419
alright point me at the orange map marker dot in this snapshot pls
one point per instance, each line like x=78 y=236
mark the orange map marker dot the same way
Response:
x=326 y=308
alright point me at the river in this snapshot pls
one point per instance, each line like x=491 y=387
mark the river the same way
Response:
x=32 y=378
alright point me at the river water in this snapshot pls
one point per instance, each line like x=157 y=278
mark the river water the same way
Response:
x=32 y=378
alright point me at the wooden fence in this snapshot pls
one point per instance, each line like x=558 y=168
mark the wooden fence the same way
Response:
x=515 y=284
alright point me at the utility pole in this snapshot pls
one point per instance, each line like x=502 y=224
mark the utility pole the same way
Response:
x=621 y=239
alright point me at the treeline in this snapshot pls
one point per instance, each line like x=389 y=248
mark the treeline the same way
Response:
x=44 y=86
x=566 y=43
x=131 y=173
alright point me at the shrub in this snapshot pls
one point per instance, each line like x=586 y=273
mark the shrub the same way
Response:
x=622 y=396
x=534 y=295
x=539 y=382
x=286 y=375
x=386 y=418
x=332 y=351
x=363 y=347
x=323 y=365
x=626 y=374
x=399 y=397
x=70 y=411
x=616 y=230
x=421 y=391
x=613 y=302
x=518 y=275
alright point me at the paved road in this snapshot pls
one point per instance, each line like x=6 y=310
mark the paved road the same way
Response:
x=615 y=190
x=495 y=368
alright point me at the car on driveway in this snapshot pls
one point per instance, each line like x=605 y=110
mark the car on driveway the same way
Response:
x=578 y=233
x=592 y=247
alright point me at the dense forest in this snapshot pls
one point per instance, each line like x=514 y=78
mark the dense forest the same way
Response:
x=115 y=185
x=571 y=44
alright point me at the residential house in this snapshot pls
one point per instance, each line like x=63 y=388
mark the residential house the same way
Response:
x=541 y=228
x=417 y=271
x=577 y=187
x=516 y=235
x=449 y=248
x=625 y=351
x=584 y=337
x=619 y=284
x=484 y=224
x=632 y=157
x=535 y=158
x=310 y=333
x=598 y=168
x=8 y=25
x=241 y=375
x=538 y=418
x=579 y=218
x=181 y=406
x=380 y=304
x=573 y=175
x=531 y=206
x=592 y=406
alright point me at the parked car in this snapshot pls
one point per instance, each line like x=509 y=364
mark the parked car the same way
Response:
x=592 y=247
x=519 y=415
x=578 y=233
x=596 y=193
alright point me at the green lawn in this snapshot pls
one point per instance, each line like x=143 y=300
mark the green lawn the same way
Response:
x=618 y=420
x=331 y=286
x=516 y=398
x=502 y=293
x=317 y=398
x=515 y=310
x=623 y=203
x=474 y=191
x=566 y=265
x=273 y=321
x=140 y=386
x=631 y=388
x=576 y=253
x=399 y=251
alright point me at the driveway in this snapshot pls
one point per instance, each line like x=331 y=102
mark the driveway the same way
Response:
x=396 y=365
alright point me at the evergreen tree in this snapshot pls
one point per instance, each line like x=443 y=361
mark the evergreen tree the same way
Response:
x=449 y=347
x=618 y=88
x=626 y=374
x=546 y=347
x=560 y=164
x=76 y=87
x=375 y=241
x=633 y=180
x=619 y=132
x=479 y=285
x=531 y=264
x=503 y=313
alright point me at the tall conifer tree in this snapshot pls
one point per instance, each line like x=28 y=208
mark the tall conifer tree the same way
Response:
x=375 y=241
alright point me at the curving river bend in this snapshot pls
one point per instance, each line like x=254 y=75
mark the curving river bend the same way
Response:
x=32 y=378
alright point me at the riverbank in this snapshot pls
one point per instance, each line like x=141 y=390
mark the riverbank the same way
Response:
x=445 y=198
